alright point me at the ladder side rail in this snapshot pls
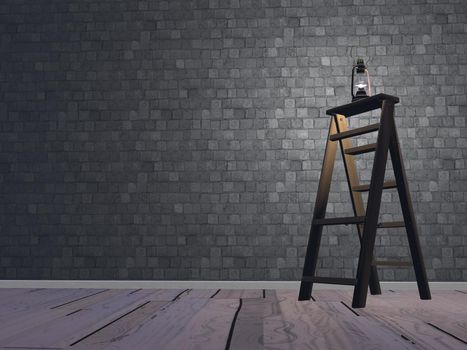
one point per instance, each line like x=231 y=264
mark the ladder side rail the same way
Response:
x=373 y=205
x=319 y=212
x=408 y=214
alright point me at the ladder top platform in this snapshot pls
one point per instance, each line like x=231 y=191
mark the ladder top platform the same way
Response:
x=363 y=105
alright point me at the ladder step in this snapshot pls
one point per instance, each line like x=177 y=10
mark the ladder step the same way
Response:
x=330 y=280
x=364 y=188
x=354 y=132
x=391 y=224
x=363 y=105
x=340 y=221
x=361 y=149
x=392 y=263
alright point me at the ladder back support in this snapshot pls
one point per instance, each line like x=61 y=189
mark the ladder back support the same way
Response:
x=350 y=167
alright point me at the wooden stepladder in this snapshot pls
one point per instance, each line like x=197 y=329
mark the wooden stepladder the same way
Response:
x=366 y=220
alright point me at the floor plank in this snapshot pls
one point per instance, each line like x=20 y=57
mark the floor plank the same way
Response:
x=42 y=297
x=409 y=316
x=334 y=326
x=165 y=294
x=5 y=293
x=248 y=332
x=327 y=295
x=201 y=293
x=457 y=301
x=239 y=293
x=110 y=330
x=27 y=305
x=20 y=330
x=186 y=323
x=447 y=311
x=80 y=322
x=119 y=329
x=285 y=323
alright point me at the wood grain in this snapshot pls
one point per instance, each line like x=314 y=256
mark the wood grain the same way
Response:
x=447 y=311
x=121 y=328
x=239 y=293
x=187 y=323
x=409 y=317
x=36 y=305
x=201 y=319
x=165 y=294
x=24 y=319
x=325 y=325
x=41 y=298
x=113 y=328
x=200 y=293
x=281 y=322
x=5 y=293
x=330 y=295
x=248 y=332
x=44 y=328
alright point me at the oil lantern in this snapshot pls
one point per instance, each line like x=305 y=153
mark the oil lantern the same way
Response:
x=360 y=81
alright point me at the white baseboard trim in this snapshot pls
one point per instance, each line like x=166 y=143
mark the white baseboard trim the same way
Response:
x=209 y=284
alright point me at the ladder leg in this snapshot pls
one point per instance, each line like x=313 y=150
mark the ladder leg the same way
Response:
x=311 y=260
x=356 y=197
x=319 y=212
x=373 y=206
x=409 y=216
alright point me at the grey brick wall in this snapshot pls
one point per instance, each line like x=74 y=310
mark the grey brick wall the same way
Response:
x=184 y=139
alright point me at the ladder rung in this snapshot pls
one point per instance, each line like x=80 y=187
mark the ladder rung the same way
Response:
x=391 y=224
x=340 y=221
x=392 y=263
x=361 y=149
x=354 y=132
x=363 y=188
x=330 y=280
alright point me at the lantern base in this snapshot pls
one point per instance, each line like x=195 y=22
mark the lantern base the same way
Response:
x=359 y=95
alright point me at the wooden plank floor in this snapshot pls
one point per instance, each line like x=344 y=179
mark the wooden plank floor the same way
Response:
x=228 y=319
